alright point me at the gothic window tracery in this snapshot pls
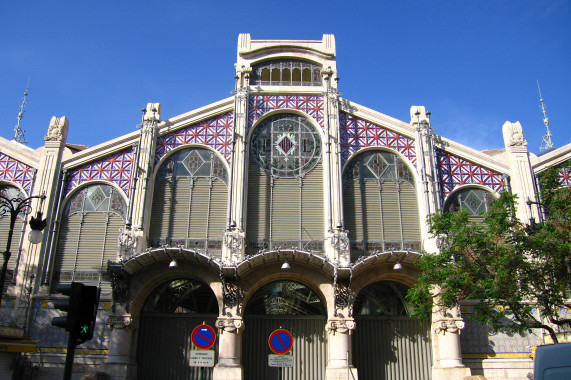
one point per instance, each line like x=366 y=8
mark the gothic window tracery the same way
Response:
x=285 y=185
x=189 y=202
x=380 y=203
x=88 y=235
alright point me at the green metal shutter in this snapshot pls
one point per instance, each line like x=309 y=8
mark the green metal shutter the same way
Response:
x=68 y=239
x=286 y=213
x=180 y=209
x=199 y=209
x=16 y=238
x=217 y=216
x=410 y=215
x=372 y=223
x=391 y=212
x=312 y=205
x=353 y=210
x=116 y=223
x=258 y=219
x=161 y=211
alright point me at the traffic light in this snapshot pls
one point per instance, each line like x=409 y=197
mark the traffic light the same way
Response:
x=81 y=310
x=71 y=305
x=87 y=313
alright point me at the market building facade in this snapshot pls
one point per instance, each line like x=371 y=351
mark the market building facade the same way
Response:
x=283 y=206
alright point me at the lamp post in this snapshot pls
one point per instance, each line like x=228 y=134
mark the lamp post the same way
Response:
x=14 y=205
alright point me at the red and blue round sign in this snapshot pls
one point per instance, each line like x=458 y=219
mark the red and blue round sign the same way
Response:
x=203 y=337
x=281 y=341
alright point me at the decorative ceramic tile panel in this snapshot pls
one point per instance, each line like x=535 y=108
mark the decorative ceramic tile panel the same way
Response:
x=259 y=105
x=12 y=170
x=455 y=171
x=215 y=132
x=116 y=169
x=565 y=177
x=478 y=339
x=48 y=336
x=357 y=133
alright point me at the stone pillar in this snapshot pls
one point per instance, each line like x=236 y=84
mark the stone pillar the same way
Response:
x=229 y=366
x=447 y=354
x=144 y=170
x=339 y=356
x=120 y=364
x=521 y=175
x=234 y=237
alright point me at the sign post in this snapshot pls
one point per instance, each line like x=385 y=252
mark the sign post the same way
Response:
x=203 y=337
x=280 y=342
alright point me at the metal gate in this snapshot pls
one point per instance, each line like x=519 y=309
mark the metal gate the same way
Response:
x=164 y=344
x=395 y=348
x=309 y=348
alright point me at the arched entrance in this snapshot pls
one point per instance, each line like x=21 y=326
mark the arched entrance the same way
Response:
x=294 y=307
x=168 y=317
x=388 y=343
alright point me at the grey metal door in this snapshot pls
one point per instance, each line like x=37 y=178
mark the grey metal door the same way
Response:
x=395 y=348
x=309 y=347
x=164 y=345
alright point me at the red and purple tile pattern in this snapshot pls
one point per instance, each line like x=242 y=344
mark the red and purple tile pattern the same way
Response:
x=455 y=171
x=116 y=169
x=312 y=105
x=357 y=134
x=12 y=170
x=565 y=177
x=215 y=132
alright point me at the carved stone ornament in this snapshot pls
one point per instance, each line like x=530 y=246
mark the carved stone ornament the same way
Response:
x=57 y=131
x=340 y=242
x=342 y=326
x=127 y=242
x=230 y=324
x=120 y=321
x=513 y=134
x=452 y=325
x=234 y=241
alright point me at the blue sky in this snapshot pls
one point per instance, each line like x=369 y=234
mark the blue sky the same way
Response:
x=473 y=64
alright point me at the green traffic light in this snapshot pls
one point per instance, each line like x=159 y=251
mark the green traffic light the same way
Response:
x=84 y=329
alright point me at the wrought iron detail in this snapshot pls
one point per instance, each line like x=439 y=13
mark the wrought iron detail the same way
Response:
x=120 y=283
x=232 y=294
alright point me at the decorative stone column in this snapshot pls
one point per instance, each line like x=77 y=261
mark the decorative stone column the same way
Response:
x=229 y=365
x=120 y=364
x=339 y=356
x=446 y=327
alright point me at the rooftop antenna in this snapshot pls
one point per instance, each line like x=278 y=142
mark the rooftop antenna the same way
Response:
x=19 y=132
x=546 y=143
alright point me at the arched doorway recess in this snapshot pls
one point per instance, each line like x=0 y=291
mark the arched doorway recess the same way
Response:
x=388 y=343
x=168 y=317
x=296 y=308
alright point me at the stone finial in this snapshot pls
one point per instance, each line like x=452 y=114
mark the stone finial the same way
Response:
x=153 y=112
x=418 y=114
x=513 y=134
x=57 y=131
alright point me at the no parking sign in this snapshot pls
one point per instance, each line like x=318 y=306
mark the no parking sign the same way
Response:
x=281 y=341
x=203 y=337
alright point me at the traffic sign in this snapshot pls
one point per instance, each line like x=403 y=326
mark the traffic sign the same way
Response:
x=280 y=360
x=281 y=341
x=203 y=337
x=201 y=358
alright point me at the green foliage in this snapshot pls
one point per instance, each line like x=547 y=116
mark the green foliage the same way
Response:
x=515 y=275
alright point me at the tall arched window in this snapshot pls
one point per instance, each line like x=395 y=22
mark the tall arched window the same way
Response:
x=88 y=235
x=380 y=203
x=189 y=202
x=11 y=192
x=285 y=185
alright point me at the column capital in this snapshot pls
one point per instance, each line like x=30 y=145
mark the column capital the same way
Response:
x=343 y=326
x=234 y=325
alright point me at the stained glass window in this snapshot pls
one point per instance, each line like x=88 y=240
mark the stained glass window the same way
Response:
x=286 y=146
x=475 y=202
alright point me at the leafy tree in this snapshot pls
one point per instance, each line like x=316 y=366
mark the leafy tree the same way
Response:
x=518 y=274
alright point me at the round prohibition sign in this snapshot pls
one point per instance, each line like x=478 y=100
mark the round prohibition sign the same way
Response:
x=281 y=341
x=203 y=337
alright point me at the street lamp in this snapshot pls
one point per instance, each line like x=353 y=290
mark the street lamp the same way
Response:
x=15 y=204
